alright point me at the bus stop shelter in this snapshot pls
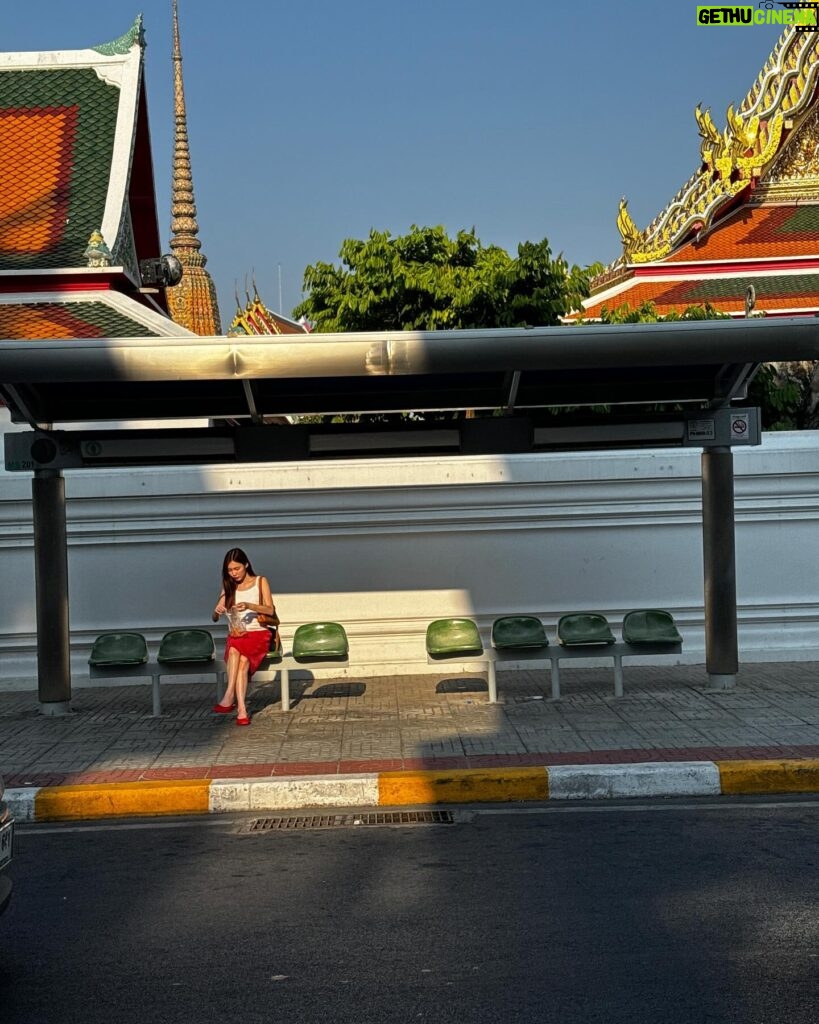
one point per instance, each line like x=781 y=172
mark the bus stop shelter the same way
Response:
x=487 y=389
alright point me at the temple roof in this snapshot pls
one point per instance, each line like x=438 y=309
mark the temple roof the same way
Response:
x=779 y=294
x=91 y=314
x=76 y=188
x=756 y=232
x=750 y=212
x=256 y=318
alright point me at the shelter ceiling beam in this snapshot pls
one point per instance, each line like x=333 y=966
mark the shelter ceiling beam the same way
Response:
x=252 y=403
x=89 y=449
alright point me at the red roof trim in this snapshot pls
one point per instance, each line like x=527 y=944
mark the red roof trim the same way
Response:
x=726 y=267
x=39 y=285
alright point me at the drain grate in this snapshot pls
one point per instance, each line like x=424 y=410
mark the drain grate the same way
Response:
x=307 y=821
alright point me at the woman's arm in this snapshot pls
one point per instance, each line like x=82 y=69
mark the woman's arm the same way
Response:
x=220 y=607
x=266 y=607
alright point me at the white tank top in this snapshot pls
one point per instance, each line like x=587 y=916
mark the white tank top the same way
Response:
x=248 y=619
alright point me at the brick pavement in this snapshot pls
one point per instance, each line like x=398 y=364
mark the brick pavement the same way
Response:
x=392 y=723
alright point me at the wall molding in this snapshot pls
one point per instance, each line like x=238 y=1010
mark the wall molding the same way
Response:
x=384 y=546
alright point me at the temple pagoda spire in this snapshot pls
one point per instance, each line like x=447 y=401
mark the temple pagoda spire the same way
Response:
x=192 y=302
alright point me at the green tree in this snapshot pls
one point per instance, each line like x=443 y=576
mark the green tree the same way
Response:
x=647 y=314
x=788 y=394
x=425 y=280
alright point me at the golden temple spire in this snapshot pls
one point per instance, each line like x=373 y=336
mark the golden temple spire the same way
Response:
x=192 y=303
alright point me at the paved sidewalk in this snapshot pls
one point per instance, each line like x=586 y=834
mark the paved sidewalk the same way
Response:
x=409 y=724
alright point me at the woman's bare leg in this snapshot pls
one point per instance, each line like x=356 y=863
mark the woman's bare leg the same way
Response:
x=232 y=665
x=241 y=686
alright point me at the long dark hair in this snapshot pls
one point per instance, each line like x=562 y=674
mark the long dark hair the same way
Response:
x=228 y=583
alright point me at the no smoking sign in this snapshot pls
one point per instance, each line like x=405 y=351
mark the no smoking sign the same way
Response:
x=740 y=425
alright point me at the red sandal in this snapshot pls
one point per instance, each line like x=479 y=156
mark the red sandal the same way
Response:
x=243 y=720
x=224 y=709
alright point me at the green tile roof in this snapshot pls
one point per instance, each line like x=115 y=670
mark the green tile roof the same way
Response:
x=56 y=143
x=766 y=287
x=47 y=320
x=804 y=220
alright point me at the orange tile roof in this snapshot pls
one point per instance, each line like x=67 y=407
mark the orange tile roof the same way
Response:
x=757 y=232
x=37 y=320
x=34 y=182
x=777 y=292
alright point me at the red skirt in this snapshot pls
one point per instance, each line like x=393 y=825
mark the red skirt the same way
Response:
x=254 y=645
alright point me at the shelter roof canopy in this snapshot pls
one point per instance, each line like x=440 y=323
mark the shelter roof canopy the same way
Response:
x=701 y=363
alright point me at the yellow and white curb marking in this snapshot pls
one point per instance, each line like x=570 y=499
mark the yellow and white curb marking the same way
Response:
x=414 y=788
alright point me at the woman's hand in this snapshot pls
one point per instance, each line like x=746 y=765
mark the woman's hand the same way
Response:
x=241 y=606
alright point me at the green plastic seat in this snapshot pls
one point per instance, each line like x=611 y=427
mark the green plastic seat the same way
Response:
x=650 y=626
x=453 y=636
x=584 y=628
x=318 y=641
x=186 y=645
x=119 y=649
x=513 y=632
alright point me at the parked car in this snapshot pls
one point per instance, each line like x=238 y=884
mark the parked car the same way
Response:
x=6 y=845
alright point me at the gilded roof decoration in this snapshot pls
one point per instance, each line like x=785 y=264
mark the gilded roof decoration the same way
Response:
x=795 y=172
x=98 y=254
x=737 y=157
x=256 y=318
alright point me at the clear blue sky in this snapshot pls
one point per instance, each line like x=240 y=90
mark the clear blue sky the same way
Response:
x=314 y=121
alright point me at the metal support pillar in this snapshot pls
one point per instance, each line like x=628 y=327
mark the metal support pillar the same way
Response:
x=51 y=589
x=719 y=564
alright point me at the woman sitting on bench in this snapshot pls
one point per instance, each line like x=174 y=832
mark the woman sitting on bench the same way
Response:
x=252 y=619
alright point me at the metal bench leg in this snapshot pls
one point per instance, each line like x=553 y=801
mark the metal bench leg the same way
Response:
x=155 y=695
x=555 y=679
x=618 y=675
x=491 y=682
x=285 y=685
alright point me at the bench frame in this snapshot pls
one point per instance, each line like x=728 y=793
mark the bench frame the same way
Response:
x=616 y=651
x=287 y=664
x=155 y=670
x=489 y=657
x=554 y=654
x=485 y=657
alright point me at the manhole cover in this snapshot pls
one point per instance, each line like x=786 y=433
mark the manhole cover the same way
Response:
x=306 y=821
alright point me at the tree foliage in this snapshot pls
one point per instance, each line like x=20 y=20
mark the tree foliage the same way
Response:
x=425 y=280
x=647 y=314
x=788 y=394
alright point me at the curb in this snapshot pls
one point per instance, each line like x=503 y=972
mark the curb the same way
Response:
x=414 y=788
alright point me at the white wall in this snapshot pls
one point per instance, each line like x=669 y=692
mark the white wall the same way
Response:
x=386 y=546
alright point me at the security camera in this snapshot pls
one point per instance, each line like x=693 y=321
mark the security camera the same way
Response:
x=164 y=270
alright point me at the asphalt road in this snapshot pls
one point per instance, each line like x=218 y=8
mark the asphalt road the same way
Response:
x=642 y=915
